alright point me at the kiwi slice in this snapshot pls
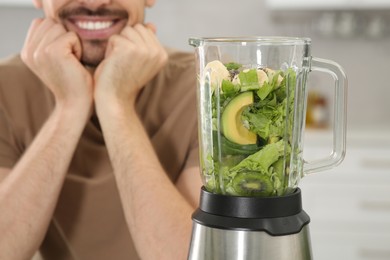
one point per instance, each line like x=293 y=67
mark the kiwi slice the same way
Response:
x=252 y=184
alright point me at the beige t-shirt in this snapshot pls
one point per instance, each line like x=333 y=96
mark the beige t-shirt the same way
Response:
x=88 y=222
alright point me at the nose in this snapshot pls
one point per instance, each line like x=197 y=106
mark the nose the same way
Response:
x=94 y=4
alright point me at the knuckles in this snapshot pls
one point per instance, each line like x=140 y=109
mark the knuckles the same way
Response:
x=163 y=57
x=24 y=54
x=146 y=59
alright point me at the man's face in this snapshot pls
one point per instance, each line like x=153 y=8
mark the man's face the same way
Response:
x=94 y=21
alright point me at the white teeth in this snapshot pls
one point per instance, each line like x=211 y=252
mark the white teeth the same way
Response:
x=94 y=25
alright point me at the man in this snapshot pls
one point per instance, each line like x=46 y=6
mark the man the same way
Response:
x=98 y=138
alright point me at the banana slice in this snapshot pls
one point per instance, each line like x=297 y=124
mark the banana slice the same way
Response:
x=262 y=76
x=218 y=72
x=271 y=74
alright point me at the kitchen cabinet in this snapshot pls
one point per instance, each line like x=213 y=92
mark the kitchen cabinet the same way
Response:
x=328 y=4
x=349 y=205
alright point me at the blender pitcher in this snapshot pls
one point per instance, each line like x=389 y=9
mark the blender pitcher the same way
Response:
x=251 y=111
x=252 y=103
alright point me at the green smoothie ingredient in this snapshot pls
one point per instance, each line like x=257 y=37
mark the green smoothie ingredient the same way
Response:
x=252 y=114
x=232 y=125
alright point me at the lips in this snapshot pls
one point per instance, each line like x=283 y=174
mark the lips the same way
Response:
x=97 y=24
x=95 y=27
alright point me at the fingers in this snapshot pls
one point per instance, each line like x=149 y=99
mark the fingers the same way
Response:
x=133 y=39
x=66 y=44
x=53 y=32
x=28 y=43
x=37 y=32
x=133 y=35
x=142 y=35
x=152 y=27
x=32 y=29
x=53 y=54
x=48 y=38
x=74 y=44
x=137 y=50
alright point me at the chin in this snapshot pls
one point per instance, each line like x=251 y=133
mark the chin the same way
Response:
x=91 y=61
x=93 y=53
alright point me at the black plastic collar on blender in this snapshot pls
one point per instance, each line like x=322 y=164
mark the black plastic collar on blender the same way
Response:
x=275 y=215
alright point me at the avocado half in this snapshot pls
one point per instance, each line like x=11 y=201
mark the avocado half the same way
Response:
x=232 y=126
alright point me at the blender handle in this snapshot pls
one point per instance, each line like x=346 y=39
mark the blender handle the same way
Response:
x=340 y=116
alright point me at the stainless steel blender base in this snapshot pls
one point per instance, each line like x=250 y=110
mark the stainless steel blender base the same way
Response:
x=220 y=244
x=250 y=228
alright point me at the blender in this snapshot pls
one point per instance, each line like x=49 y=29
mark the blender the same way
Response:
x=251 y=111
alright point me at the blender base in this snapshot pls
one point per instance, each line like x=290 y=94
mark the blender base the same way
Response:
x=250 y=228
x=219 y=244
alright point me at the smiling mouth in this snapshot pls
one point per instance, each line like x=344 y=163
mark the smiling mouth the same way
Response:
x=97 y=24
x=95 y=28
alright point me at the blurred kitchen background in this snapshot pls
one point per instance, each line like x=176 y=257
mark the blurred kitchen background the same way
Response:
x=349 y=205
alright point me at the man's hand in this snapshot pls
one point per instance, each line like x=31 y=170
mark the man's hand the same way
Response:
x=132 y=59
x=53 y=54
